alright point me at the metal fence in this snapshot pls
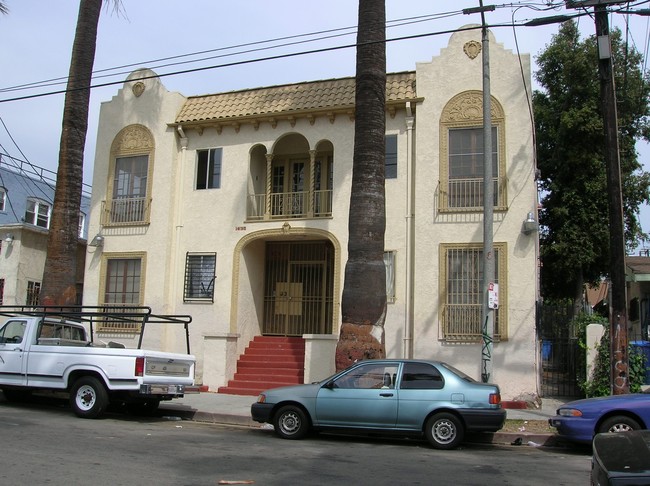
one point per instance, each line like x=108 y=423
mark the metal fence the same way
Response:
x=562 y=357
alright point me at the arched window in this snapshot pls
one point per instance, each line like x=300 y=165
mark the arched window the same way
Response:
x=461 y=154
x=129 y=184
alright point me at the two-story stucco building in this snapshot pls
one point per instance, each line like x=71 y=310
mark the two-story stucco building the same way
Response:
x=233 y=208
x=26 y=202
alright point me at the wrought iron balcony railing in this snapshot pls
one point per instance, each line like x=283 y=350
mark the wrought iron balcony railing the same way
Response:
x=283 y=205
x=126 y=211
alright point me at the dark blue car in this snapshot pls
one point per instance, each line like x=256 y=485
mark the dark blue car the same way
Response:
x=581 y=420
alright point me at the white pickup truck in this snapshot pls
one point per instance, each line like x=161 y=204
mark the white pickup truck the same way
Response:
x=53 y=349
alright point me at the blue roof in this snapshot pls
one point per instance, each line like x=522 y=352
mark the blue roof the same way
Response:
x=30 y=182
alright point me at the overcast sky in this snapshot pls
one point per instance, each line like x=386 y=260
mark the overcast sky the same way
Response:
x=36 y=41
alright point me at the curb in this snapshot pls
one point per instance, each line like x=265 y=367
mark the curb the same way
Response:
x=497 y=438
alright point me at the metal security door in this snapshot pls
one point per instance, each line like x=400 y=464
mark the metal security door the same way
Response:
x=298 y=296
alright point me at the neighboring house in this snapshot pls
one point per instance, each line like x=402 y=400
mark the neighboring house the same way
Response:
x=233 y=208
x=26 y=199
x=637 y=271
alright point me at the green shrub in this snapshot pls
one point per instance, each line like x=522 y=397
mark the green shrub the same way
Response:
x=599 y=384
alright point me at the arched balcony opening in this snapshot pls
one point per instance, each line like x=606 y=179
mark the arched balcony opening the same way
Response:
x=296 y=181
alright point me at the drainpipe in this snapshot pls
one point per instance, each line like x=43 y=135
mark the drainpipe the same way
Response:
x=178 y=219
x=410 y=223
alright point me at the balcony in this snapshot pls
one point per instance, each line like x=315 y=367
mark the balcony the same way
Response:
x=127 y=211
x=467 y=194
x=267 y=207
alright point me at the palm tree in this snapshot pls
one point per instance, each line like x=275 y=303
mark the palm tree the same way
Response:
x=3 y=8
x=363 y=304
x=60 y=274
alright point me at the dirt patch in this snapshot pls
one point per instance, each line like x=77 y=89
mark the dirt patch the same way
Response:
x=528 y=426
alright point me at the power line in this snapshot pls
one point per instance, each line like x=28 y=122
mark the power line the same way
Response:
x=324 y=35
x=331 y=33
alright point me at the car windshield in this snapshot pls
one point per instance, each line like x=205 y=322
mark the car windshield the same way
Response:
x=460 y=374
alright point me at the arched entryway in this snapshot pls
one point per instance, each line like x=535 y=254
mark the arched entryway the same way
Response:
x=286 y=281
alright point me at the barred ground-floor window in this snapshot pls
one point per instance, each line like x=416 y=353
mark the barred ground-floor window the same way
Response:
x=122 y=286
x=461 y=282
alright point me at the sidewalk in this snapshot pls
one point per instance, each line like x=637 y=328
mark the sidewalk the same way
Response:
x=220 y=408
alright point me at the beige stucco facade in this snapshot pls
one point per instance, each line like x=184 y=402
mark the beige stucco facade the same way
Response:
x=257 y=146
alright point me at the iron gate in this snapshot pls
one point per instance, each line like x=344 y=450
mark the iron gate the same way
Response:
x=299 y=288
x=562 y=357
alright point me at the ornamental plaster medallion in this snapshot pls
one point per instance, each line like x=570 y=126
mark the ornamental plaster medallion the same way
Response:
x=134 y=138
x=138 y=89
x=468 y=107
x=472 y=49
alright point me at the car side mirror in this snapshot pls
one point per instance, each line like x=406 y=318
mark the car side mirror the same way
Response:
x=330 y=385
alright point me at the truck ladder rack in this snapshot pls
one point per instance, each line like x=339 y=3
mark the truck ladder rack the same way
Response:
x=139 y=315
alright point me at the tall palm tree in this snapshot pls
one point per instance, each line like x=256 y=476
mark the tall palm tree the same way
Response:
x=3 y=8
x=60 y=274
x=363 y=304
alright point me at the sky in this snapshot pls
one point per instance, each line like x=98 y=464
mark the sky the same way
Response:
x=36 y=41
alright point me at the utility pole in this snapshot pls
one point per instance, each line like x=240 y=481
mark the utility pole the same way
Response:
x=618 y=312
x=487 y=285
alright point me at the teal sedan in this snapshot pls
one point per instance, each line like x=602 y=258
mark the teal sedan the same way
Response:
x=404 y=397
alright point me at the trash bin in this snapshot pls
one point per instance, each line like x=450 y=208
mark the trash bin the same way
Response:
x=547 y=350
x=643 y=347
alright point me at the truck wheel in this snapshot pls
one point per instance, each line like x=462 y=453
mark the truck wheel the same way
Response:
x=88 y=397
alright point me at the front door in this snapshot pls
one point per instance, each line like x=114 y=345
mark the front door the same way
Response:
x=299 y=289
x=12 y=345
x=288 y=186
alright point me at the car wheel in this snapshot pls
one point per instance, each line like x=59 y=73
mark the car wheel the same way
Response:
x=291 y=422
x=444 y=431
x=88 y=397
x=618 y=423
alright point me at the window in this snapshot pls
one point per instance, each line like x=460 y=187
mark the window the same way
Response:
x=389 y=261
x=82 y=224
x=368 y=376
x=200 y=271
x=129 y=178
x=466 y=167
x=130 y=189
x=421 y=376
x=323 y=184
x=122 y=285
x=3 y=198
x=37 y=213
x=462 y=154
x=208 y=172
x=391 y=157
x=33 y=293
x=13 y=332
x=462 y=280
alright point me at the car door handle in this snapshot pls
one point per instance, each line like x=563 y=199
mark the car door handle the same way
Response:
x=385 y=394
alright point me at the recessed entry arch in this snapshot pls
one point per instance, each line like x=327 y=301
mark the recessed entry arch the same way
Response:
x=292 y=277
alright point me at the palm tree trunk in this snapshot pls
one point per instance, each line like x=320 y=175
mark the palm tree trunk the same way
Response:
x=60 y=274
x=363 y=304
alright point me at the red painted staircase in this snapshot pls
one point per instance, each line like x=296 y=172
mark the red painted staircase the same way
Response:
x=268 y=362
